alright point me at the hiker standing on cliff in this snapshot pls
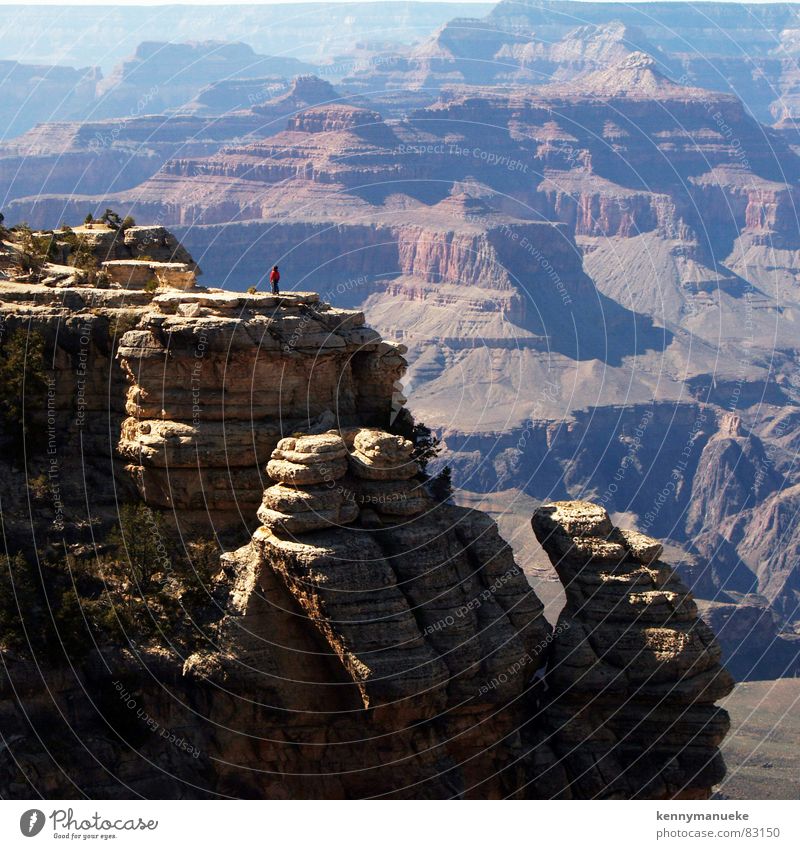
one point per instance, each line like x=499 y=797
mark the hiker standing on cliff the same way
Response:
x=274 y=279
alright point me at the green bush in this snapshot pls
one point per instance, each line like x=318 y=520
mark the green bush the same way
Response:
x=33 y=250
x=194 y=571
x=82 y=256
x=139 y=546
x=143 y=591
x=39 y=488
x=120 y=323
x=40 y=613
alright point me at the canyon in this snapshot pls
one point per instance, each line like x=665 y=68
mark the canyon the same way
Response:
x=574 y=330
x=574 y=224
x=358 y=635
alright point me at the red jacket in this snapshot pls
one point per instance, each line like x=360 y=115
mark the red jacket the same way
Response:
x=274 y=276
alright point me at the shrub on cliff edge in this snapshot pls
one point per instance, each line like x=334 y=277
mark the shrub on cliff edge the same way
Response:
x=427 y=447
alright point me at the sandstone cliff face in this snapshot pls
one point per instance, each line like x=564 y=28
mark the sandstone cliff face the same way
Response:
x=634 y=672
x=217 y=378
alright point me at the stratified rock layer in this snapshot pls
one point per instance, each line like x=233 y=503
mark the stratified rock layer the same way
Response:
x=367 y=641
x=306 y=497
x=218 y=378
x=426 y=638
x=634 y=672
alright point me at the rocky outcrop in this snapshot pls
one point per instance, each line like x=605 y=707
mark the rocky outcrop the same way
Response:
x=634 y=672
x=217 y=379
x=306 y=496
x=449 y=636
x=154 y=242
x=384 y=472
x=367 y=640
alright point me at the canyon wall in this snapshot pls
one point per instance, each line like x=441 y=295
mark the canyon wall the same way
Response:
x=358 y=637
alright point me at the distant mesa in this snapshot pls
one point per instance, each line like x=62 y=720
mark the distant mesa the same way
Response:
x=638 y=75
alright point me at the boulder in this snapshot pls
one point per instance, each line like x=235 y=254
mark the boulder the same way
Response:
x=308 y=460
x=382 y=456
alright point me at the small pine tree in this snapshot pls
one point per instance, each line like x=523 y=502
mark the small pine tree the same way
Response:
x=426 y=446
x=23 y=384
x=89 y=218
x=139 y=544
x=33 y=250
x=83 y=258
x=441 y=485
x=112 y=219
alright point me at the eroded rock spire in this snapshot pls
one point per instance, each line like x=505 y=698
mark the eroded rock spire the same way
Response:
x=633 y=672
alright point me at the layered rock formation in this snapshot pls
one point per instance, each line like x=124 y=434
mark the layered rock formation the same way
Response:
x=459 y=608
x=367 y=640
x=746 y=50
x=634 y=672
x=306 y=496
x=217 y=378
x=399 y=660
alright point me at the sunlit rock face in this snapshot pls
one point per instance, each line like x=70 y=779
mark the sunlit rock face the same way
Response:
x=217 y=379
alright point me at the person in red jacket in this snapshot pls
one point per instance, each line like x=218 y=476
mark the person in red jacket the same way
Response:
x=274 y=279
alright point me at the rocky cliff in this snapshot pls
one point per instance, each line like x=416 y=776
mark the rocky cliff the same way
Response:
x=629 y=626
x=356 y=636
x=216 y=378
